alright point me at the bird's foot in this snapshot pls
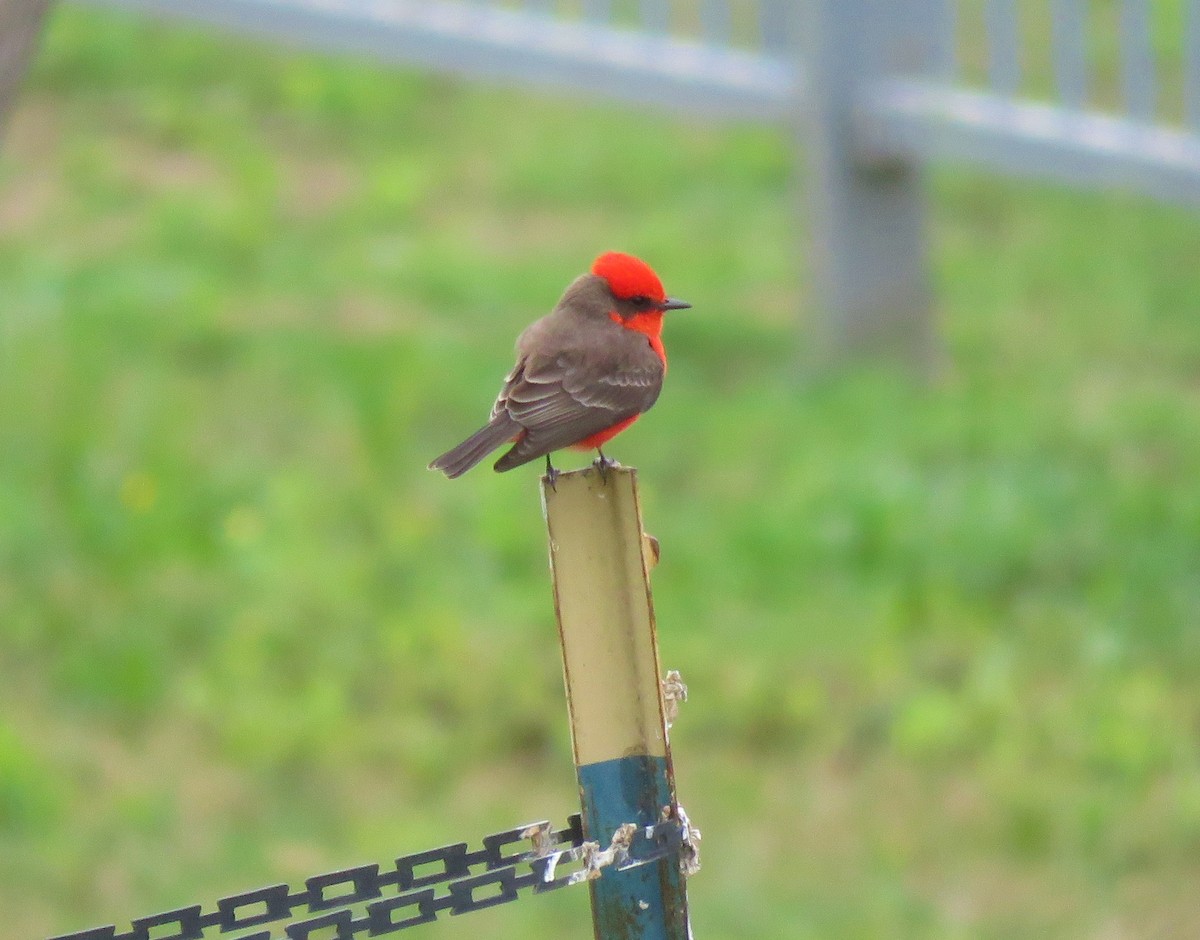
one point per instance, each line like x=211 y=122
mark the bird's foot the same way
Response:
x=551 y=474
x=604 y=464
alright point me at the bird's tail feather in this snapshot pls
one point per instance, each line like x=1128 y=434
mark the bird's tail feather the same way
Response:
x=518 y=455
x=458 y=460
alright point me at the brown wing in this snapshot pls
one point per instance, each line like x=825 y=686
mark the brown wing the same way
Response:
x=561 y=401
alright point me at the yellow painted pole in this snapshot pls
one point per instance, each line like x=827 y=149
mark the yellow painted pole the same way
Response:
x=600 y=562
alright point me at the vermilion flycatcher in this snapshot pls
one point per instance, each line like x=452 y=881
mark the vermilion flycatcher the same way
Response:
x=584 y=373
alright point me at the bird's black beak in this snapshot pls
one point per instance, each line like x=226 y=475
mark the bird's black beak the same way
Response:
x=674 y=303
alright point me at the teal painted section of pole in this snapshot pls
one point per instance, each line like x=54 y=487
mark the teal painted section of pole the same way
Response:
x=648 y=902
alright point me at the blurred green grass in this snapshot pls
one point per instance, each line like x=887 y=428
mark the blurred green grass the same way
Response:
x=943 y=641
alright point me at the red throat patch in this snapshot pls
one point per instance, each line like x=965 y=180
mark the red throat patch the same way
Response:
x=648 y=324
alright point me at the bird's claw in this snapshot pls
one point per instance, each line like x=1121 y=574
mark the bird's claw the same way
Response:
x=551 y=477
x=603 y=465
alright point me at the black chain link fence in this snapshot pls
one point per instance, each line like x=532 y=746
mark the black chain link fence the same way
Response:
x=365 y=901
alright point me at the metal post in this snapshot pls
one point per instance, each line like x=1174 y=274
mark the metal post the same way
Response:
x=20 y=26
x=867 y=224
x=611 y=669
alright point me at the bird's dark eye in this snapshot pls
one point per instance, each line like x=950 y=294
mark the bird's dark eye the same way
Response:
x=641 y=300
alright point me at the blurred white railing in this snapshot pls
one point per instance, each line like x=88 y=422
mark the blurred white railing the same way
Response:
x=876 y=90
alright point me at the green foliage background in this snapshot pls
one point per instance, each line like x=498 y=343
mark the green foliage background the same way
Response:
x=943 y=640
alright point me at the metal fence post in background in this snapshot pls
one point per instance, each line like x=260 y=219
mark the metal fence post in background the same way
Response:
x=20 y=26
x=614 y=693
x=867 y=225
